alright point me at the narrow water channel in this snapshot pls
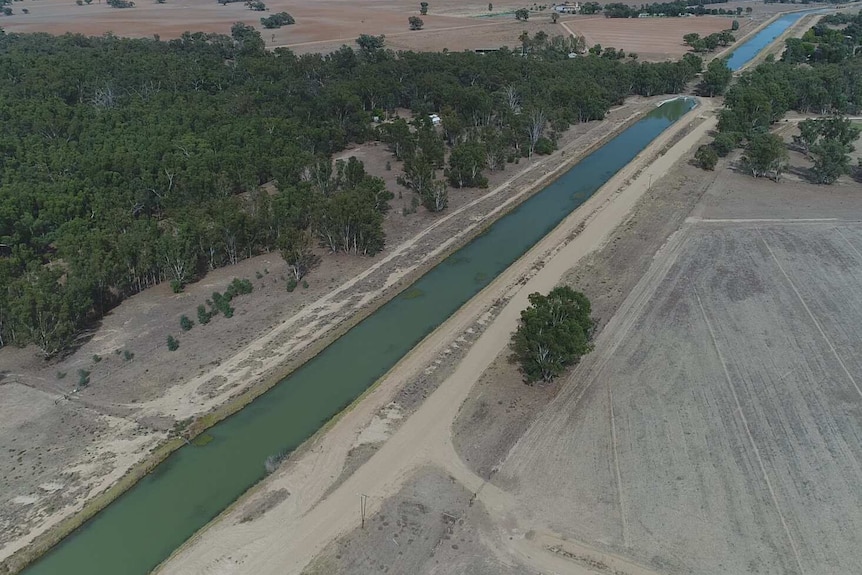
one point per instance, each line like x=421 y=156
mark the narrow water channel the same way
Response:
x=748 y=50
x=141 y=528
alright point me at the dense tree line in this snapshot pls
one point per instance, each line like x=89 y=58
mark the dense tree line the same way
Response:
x=125 y=163
x=670 y=9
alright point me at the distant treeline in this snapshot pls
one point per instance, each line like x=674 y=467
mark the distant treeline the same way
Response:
x=128 y=162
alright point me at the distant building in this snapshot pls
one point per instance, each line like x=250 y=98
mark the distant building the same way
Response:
x=568 y=8
x=435 y=119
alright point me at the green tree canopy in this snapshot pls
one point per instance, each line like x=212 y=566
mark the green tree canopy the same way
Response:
x=553 y=333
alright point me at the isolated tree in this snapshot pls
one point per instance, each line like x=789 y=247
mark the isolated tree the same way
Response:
x=423 y=8
x=554 y=17
x=705 y=157
x=522 y=14
x=490 y=7
x=415 y=22
x=716 y=78
x=766 y=156
x=748 y=10
x=277 y=20
x=738 y=10
x=831 y=160
x=553 y=333
x=734 y=25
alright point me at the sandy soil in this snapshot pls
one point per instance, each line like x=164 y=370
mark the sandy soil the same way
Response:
x=305 y=523
x=131 y=406
x=429 y=526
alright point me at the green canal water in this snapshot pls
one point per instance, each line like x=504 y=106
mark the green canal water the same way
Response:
x=144 y=526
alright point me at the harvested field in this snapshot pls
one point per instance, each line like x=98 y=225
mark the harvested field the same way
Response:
x=650 y=38
x=324 y=27
x=716 y=428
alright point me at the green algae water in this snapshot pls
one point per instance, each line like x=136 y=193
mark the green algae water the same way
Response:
x=146 y=524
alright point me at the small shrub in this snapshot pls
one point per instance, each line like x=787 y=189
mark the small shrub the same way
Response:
x=388 y=166
x=117 y=351
x=173 y=344
x=544 y=146
x=304 y=284
x=61 y=374
x=128 y=355
x=185 y=323
x=83 y=378
x=291 y=284
x=176 y=286
x=258 y=275
x=97 y=358
x=706 y=158
x=203 y=315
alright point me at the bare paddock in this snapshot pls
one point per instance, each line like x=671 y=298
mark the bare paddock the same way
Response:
x=716 y=429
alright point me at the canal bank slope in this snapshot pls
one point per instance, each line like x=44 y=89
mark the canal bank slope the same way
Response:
x=286 y=537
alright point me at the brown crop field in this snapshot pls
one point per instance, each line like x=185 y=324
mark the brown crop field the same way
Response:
x=323 y=27
x=717 y=428
x=650 y=38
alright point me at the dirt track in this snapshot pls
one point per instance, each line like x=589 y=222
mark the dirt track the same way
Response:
x=302 y=525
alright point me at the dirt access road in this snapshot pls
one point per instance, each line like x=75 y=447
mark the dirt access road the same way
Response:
x=287 y=537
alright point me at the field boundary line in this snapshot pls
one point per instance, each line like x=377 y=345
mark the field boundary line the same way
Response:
x=748 y=431
x=811 y=315
x=623 y=519
x=697 y=220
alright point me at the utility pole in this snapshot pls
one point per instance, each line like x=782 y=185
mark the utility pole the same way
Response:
x=362 y=500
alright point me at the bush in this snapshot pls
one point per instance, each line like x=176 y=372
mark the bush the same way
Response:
x=61 y=374
x=128 y=355
x=544 y=146
x=706 y=158
x=176 y=286
x=83 y=378
x=97 y=358
x=553 y=333
x=173 y=344
x=185 y=323
x=304 y=284
x=203 y=315
x=291 y=284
